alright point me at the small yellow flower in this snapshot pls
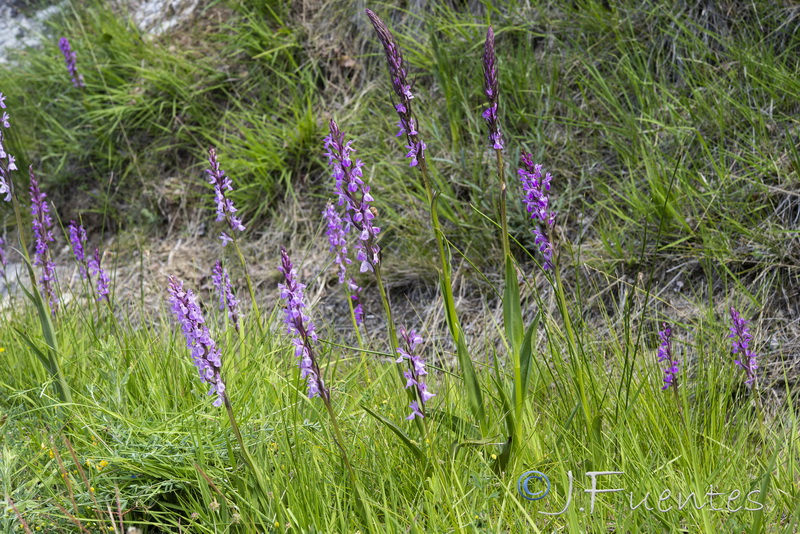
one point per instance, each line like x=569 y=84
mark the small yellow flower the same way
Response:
x=2 y=349
x=52 y=454
x=103 y=463
x=277 y=524
x=91 y=489
x=494 y=457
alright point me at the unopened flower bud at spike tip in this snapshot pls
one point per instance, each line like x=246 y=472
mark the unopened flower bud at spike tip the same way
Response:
x=747 y=359
x=491 y=88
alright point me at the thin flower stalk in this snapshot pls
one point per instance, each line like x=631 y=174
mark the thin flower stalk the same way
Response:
x=227 y=299
x=43 y=234
x=70 y=59
x=3 y=262
x=747 y=359
x=665 y=356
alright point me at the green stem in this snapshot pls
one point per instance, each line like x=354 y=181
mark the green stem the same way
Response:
x=249 y=283
x=245 y=453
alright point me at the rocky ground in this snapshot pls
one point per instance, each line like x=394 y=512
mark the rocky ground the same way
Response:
x=23 y=22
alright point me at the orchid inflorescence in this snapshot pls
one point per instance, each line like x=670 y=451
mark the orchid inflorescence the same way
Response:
x=491 y=88
x=70 y=58
x=225 y=208
x=415 y=372
x=227 y=300
x=43 y=234
x=205 y=354
x=301 y=328
x=665 y=356
x=535 y=195
x=747 y=358
x=7 y=162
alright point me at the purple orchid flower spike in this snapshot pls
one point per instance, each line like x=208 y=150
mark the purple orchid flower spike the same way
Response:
x=402 y=89
x=301 y=328
x=43 y=235
x=205 y=354
x=225 y=208
x=70 y=58
x=665 y=356
x=102 y=281
x=747 y=359
x=227 y=300
x=7 y=162
x=535 y=190
x=415 y=372
x=491 y=88
x=77 y=238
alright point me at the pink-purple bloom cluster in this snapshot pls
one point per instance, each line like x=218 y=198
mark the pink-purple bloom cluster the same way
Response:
x=102 y=281
x=491 y=89
x=43 y=234
x=301 y=328
x=7 y=162
x=77 y=237
x=665 y=356
x=337 y=239
x=354 y=195
x=747 y=359
x=70 y=58
x=401 y=87
x=225 y=208
x=535 y=190
x=415 y=372
x=205 y=354
x=227 y=300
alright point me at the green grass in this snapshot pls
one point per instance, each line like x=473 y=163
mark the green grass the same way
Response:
x=671 y=133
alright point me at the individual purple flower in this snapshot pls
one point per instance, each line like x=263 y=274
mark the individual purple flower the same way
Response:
x=301 y=328
x=77 y=237
x=665 y=356
x=7 y=162
x=401 y=87
x=535 y=190
x=355 y=196
x=70 y=58
x=227 y=300
x=415 y=372
x=492 y=91
x=225 y=208
x=43 y=234
x=205 y=354
x=747 y=359
x=102 y=281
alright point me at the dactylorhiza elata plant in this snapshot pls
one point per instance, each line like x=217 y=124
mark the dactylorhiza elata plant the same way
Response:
x=747 y=358
x=354 y=197
x=536 y=188
x=408 y=126
x=7 y=162
x=226 y=211
x=301 y=328
x=205 y=354
x=227 y=300
x=43 y=234
x=102 y=281
x=77 y=238
x=415 y=373
x=665 y=356
x=70 y=58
